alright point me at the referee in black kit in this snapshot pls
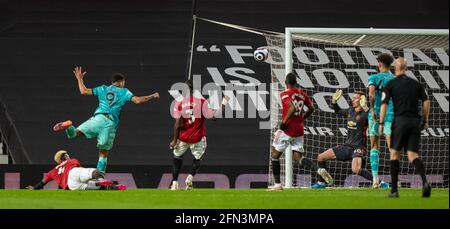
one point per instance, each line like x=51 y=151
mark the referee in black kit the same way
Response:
x=406 y=128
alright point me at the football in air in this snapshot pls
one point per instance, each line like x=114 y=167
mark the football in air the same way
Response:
x=261 y=54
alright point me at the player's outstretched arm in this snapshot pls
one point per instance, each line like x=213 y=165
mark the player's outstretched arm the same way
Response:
x=79 y=74
x=142 y=99
x=337 y=95
x=38 y=186
x=363 y=103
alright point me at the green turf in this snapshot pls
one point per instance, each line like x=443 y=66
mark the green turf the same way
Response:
x=216 y=198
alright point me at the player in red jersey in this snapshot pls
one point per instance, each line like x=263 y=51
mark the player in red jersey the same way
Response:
x=69 y=175
x=291 y=129
x=190 y=133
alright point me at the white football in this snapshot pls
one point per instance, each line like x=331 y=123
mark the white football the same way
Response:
x=261 y=54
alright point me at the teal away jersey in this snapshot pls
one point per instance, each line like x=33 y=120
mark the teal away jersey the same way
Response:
x=111 y=100
x=380 y=80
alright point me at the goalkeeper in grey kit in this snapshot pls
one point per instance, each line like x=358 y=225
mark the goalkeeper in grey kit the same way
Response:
x=355 y=146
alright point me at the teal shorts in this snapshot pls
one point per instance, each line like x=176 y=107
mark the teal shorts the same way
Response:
x=373 y=128
x=100 y=127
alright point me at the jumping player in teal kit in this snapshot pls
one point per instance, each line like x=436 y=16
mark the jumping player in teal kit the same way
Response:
x=104 y=123
x=376 y=85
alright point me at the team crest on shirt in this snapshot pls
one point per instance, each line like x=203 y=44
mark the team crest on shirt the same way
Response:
x=188 y=104
x=351 y=124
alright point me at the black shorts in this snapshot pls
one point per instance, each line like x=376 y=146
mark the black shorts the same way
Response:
x=405 y=134
x=347 y=152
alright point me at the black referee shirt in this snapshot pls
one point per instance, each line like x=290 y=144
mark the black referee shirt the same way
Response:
x=405 y=93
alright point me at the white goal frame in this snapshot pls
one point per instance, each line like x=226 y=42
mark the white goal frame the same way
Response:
x=289 y=31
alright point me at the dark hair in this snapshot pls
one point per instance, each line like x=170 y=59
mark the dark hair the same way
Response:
x=291 y=79
x=190 y=84
x=64 y=156
x=359 y=92
x=116 y=77
x=386 y=59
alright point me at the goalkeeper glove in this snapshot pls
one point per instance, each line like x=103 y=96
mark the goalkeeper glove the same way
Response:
x=363 y=103
x=337 y=95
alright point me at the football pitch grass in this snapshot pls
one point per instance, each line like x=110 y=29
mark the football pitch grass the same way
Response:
x=223 y=199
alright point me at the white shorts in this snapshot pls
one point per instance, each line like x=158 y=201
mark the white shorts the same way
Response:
x=79 y=177
x=197 y=149
x=281 y=141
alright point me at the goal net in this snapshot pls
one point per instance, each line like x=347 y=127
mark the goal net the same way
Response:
x=329 y=59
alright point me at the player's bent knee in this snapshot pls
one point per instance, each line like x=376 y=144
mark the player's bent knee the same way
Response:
x=394 y=155
x=412 y=156
x=356 y=170
x=97 y=174
x=102 y=146
x=275 y=155
x=105 y=143
x=198 y=157
x=297 y=156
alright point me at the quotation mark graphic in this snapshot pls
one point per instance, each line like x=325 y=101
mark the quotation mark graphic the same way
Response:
x=212 y=48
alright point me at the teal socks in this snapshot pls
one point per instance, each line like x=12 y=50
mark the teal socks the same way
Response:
x=101 y=164
x=374 y=161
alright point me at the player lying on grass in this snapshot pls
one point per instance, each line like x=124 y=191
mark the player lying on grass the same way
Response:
x=103 y=125
x=190 y=133
x=69 y=175
x=291 y=129
x=355 y=146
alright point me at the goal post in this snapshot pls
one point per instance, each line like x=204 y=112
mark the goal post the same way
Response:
x=428 y=48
